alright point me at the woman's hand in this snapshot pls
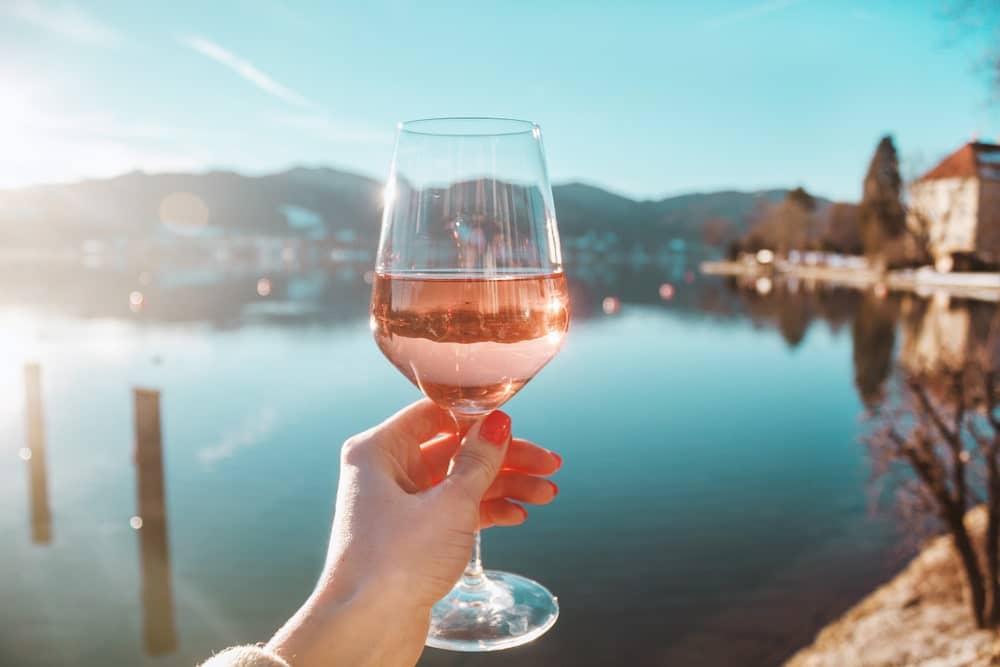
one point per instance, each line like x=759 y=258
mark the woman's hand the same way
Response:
x=404 y=529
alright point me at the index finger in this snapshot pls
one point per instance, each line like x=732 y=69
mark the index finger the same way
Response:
x=416 y=423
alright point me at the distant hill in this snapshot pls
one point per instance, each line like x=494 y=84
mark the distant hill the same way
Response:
x=324 y=202
x=129 y=206
x=585 y=208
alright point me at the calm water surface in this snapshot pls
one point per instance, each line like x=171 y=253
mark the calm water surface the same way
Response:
x=713 y=505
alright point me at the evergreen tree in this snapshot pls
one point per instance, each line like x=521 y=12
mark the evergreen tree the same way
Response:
x=881 y=216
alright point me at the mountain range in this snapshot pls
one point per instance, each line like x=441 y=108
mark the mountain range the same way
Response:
x=323 y=202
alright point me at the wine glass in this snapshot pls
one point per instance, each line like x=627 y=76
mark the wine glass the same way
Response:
x=469 y=303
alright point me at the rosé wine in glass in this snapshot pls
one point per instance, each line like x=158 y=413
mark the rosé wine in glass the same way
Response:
x=470 y=343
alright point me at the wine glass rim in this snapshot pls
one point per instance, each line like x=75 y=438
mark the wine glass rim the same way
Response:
x=468 y=126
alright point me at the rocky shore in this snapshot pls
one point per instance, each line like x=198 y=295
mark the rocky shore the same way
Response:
x=920 y=618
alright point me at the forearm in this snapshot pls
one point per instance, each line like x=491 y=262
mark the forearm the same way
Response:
x=368 y=628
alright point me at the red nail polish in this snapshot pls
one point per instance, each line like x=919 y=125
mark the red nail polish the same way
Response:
x=555 y=487
x=558 y=460
x=496 y=428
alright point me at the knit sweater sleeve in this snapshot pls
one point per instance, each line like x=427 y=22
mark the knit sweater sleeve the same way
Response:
x=245 y=656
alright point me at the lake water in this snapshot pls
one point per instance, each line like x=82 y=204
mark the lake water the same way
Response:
x=714 y=505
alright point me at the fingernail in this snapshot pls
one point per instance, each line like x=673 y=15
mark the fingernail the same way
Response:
x=555 y=487
x=524 y=512
x=558 y=460
x=496 y=428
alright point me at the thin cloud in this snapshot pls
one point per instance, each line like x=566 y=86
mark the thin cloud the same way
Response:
x=245 y=69
x=68 y=21
x=753 y=11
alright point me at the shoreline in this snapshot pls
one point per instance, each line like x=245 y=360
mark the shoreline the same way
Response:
x=923 y=282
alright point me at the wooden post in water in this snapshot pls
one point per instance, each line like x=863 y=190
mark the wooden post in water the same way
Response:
x=41 y=515
x=160 y=634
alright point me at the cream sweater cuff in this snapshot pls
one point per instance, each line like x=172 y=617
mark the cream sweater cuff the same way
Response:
x=245 y=656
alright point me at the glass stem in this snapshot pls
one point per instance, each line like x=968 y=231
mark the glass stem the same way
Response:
x=473 y=575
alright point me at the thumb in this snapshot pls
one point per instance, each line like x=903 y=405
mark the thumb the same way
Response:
x=480 y=456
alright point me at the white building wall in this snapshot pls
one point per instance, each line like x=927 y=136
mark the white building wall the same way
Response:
x=950 y=208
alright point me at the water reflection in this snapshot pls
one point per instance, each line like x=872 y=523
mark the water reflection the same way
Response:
x=943 y=333
x=159 y=631
x=34 y=454
x=934 y=333
x=874 y=338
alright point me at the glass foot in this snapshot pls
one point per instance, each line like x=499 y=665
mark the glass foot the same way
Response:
x=501 y=611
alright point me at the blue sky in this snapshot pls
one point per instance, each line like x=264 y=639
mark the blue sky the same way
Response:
x=644 y=98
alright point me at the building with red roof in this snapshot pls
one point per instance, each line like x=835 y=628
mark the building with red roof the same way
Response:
x=956 y=206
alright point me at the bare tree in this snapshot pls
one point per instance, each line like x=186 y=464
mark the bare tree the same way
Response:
x=921 y=230
x=791 y=224
x=841 y=232
x=941 y=430
x=971 y=19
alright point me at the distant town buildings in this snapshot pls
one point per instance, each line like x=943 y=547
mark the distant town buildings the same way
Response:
x=955 y=207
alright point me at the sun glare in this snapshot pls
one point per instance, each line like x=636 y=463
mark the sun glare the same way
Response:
x=14 y=116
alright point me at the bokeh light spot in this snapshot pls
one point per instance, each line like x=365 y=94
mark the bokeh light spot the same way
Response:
x=184 y=213
x=136 y=301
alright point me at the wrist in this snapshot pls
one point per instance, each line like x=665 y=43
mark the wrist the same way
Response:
x=369 y=624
